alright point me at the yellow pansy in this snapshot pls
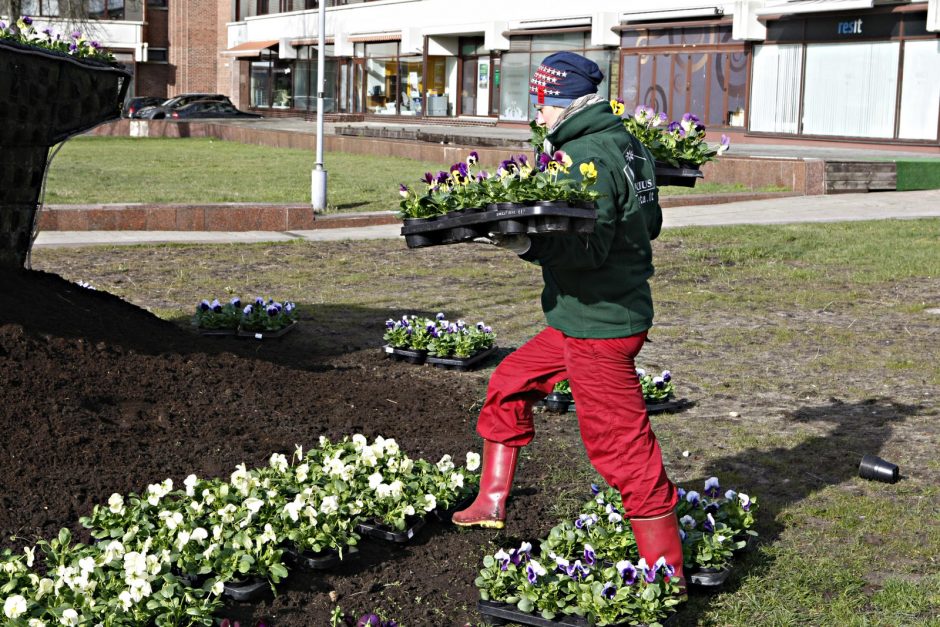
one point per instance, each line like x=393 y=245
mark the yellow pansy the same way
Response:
x=588 y=171
x=617 y=107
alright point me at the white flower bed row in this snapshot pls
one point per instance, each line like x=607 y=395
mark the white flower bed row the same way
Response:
x=151 y=548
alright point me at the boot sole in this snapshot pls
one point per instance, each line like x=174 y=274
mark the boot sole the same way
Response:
x=488 y=524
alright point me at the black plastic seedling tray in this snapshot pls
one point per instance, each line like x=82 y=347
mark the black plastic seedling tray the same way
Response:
x=504 y=218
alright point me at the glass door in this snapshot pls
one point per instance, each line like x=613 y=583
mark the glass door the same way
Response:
x=468 y=87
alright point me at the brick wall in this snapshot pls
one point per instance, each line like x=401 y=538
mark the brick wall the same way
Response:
x=193 y=33
x=226 y=65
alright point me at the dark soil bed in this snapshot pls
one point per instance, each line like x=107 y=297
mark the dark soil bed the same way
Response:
x=100 y=396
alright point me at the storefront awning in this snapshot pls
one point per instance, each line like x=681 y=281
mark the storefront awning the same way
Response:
x=312 y=41
x=375 y=37
x=250 y=48
x=812 y=6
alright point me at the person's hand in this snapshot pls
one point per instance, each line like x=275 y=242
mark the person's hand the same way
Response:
x=518 y=244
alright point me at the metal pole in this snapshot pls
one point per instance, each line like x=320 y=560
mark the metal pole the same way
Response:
x=318 y=176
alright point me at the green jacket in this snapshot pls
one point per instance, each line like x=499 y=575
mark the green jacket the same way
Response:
x=596 y=285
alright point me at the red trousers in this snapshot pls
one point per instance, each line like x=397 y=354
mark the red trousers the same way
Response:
x=611 y=411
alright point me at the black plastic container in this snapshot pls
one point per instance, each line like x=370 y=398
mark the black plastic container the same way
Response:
x=505 y=218
x=390 y=534
x=709 y=577
x=461 y=363
x=248 y=589
x=502 y=613
x=444 y=515
x=874 y=468
x=557 y=403
x=677 y=177
x=308 y=560
x=405 y=354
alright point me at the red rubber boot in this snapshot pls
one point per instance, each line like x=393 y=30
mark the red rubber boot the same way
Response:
x=489 y=508
x=659 y=537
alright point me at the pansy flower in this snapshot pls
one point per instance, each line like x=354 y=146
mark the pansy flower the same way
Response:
x=712 y=487
x=627 y=571
x=693 y=497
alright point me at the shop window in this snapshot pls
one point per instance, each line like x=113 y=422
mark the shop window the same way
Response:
x=920 y=91
x=658 y=69
x=775 y=88
x=270 y=84
x=518 y=65
x=850 y=89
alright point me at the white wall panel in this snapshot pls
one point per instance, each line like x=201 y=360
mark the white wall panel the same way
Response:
x=775 y=88
x=920 y=90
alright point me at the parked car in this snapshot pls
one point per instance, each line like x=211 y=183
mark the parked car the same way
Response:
x=209 y=109
x=133 y=106
x=164 y=109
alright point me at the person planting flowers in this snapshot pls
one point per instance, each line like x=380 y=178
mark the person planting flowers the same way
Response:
x=598 y=307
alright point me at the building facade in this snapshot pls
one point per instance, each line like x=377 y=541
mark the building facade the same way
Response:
x=861 y=71
x=840 y=70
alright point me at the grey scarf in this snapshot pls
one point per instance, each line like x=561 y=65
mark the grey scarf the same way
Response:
x=576 y=106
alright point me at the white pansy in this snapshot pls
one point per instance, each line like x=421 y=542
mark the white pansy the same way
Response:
x=253 y=505
x=217 y=588
x=69 y=617
x=298 y=452
x=46 y=586
x=292 y=509
x=446 y=464
x=278 y=462
x=199 y=534
x=367 y=457
x=383 y=490
x=126 y=601
x=241 y=480
x=35 y=622
x=406 y=465
x=30 y=552
x=182 y=540
x=116 y=504
x=207 y=554
x=430 y=502
x=302 y=472
x=267 y=536
x=323 y=442
x=456 y=480
x=396 y=487
x=473 y=461
x=329 y=505
x=359 y=441
x=409 y=511
x=87 y=564
x=375 y=479
x=190 y=483
x=134 y=563
x=15 y=606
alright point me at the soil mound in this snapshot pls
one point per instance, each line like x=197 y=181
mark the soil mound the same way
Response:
x=100 y=396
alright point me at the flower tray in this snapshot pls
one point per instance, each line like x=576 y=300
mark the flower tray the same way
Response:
x=502 y=613
x=462 y=363
x=541 y=217
x=410 y=355
x=670 y=404
x=248 y=589
x=709 y=577
x=678 y=177
x=267 y=335
x=217 y=332
x=390 y=534
x=308 y=560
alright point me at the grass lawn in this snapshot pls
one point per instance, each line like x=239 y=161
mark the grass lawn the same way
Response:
x=90 y=170
x=800 y=349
